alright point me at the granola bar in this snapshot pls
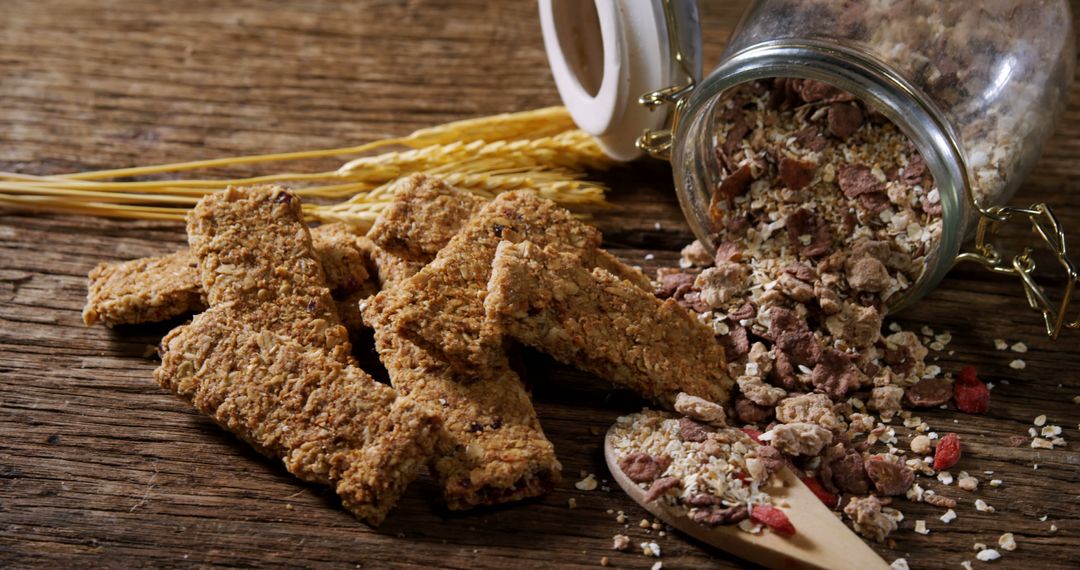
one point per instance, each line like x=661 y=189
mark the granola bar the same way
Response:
x=155 y=289
x=441 y=307
x=255 y=253
x=495 y=449
x=329 y=422
x=422 y=218
x=143 y=290
x=550 y=300
x=269 y=360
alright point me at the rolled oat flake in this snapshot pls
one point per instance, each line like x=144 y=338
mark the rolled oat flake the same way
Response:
x=840 y=153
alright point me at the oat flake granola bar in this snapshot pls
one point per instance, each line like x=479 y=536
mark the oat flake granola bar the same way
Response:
x=269 y=360
x=590 y=319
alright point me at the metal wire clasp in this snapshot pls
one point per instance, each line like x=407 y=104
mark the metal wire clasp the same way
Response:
x=658 y=142
x=1046 y=225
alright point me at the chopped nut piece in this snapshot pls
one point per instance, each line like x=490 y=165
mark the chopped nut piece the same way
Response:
x=921 y=445
x=620 y=542
x=1040 y=420
x=920 y=527
x=1007 y=541
x=798 y=438
x=968 y=483
x=1018 y=364
x=699 y=408
x=586 y=484
x=981 y=506
x=988 y=555
x=1019 y=347
x=949 y=516
x=865 y=513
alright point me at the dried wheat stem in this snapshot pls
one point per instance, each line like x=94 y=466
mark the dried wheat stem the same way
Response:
x=530 y=124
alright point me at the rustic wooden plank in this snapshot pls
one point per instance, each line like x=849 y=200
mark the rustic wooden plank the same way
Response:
x=99 y=467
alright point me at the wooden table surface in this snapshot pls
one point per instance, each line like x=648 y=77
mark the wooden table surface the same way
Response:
x=100 y=467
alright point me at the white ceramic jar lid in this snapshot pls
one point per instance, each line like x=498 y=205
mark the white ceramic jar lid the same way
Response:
x=605 y=54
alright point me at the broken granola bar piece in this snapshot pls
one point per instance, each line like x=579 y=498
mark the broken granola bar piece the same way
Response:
x=422 y=218
x=328 y=422
x=270 y=362
x=143 y=290
x=494 y=448
x=441 y=308
x=155 y=289
x=549 y=299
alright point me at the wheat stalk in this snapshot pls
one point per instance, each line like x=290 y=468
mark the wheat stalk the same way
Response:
x=507 y=126
x=535 y=151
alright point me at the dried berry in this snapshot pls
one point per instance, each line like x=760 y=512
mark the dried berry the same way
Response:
x=819 y=490
x=948 y=452
x=773 y=518
x=972 y=396
x=753 y=433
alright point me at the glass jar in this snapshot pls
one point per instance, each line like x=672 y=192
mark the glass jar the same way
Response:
x=977 y=87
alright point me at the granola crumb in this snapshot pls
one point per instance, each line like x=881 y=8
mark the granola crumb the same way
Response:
x=995 y=482
x=1000 y=344
x=945 y=477
x=949 y=516
x=1007 y=541
x=657 y=566
x=988 y=555
x=966 y=565
x=1040 y=420
x=982 y=507
x=644 y=523
x=921 y=445
x=1053 y=527
x=899 y=564
x=586 y=484
x=620 y=542
x=968 y=483
x=1018 y=364
x=920 y=527
x=572 y=503
x=650 y=549
x=604 y=561
x=1019 y=347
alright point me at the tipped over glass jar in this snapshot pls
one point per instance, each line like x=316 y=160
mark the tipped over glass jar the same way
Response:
x=857 y=141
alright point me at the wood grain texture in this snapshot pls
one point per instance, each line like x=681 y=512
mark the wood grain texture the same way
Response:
x=99 y=467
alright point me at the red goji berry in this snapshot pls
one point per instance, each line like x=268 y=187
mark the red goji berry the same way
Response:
x=818 y=489
x=753 y=433
x=773 y=518
x=947 y=453
x=971 y=395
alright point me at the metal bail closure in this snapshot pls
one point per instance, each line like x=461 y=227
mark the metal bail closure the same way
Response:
x=1046 y=225
x=605 y=53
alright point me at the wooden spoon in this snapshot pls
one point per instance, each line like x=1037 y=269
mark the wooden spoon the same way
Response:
x=821 y=541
